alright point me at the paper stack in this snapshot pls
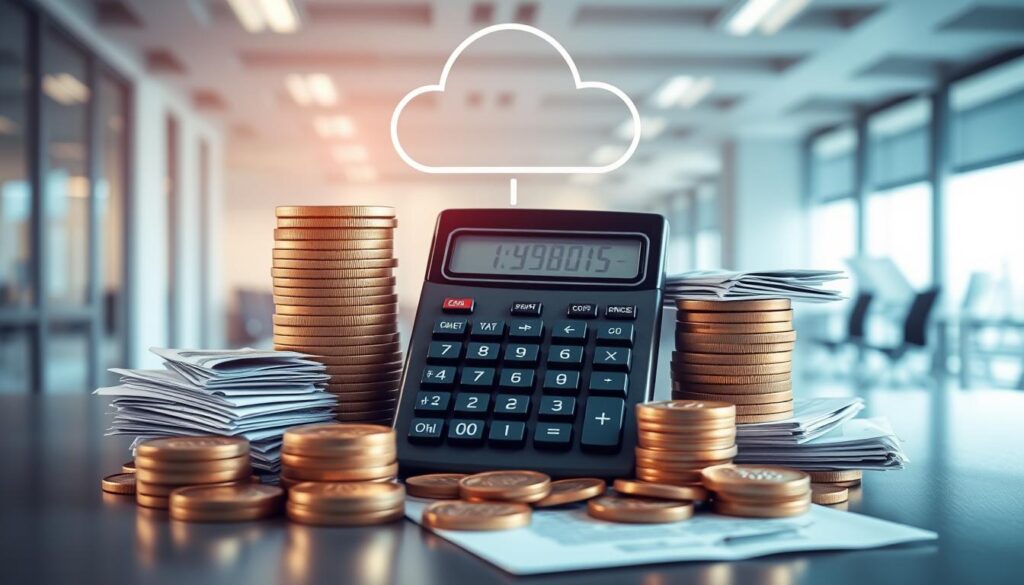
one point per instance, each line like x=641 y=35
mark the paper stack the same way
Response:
x=246 y=393
x=802 y=285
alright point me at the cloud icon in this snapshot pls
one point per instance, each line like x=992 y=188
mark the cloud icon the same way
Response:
x=514 y=170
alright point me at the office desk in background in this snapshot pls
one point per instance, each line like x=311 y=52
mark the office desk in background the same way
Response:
x=964 y=481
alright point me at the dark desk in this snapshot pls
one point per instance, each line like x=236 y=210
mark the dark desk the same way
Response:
x=965 y=481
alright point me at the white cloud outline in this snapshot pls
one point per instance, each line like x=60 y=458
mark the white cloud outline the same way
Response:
x=580 y=84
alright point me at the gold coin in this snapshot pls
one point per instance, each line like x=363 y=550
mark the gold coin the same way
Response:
x=687 y=432
x=357 y=302
x=281 y=234
x=833 y=476
x=686 y=339
x=192 y=477
x=732 y=359
x=151 y=501
x=356 y=346
x=334 y=264
x=333 y=284
x=758 y=481
x=323 y=274
x=733 y=328
x=687 y=387
x=358 y=474
x=638 y=510
x=336 y=245
x=826 y=494
x=292 y=461
x=338 y=321
x=685 y=379
x=761 y=510
x=336 y=222
x=198 y=448
x=339 y=497
x=661 y=491
x=735 y=348
x=164 y=466
x=128 y=467
x=685 y=410
x=762 y=418
x=366 y=369
x=703 y=306
x=163 y=491
x=335 y=211
x=383 y=417
x=439 y=486
x=301 y=311
x=361 y=360
x=511 y=485
x=332 y=255
x=303 y=515
x=673 y=476
x=568 y=491
x=784 y=316
x=668 y=441
x=773 y=408
x=119 y=483
x=383 y=334
x=741 y=399
x=233 y=497
x=724 y=370
x=326 y=334
x=684 y=456
x=326 y=437
x=458 y=515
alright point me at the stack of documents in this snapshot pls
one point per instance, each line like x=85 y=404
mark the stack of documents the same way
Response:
x=798 y=285
x=823 y=434
x=246 y=393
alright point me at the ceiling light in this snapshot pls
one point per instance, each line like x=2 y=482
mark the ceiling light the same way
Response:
x=315 y=89
x=334 y=126
x=350 y=153
x=683 y=91
x=256 y=16
x=361 y=174
x=784 y=12
x=650 y=128
x=65 y=89
x=767 y=15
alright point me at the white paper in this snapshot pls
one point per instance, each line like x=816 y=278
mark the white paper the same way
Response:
x=800 y=285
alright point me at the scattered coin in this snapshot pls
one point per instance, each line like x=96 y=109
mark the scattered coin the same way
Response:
x=568 y=491
x=441 y=486
x=638 y=510
x=512 y=485
x=128 y=467
x=756 y=481
x=119 y=483
x=686 y=493
x=459 y=515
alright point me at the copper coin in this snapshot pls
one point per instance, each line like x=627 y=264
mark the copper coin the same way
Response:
x=759 y=481
x=688 y=493
x=319 y=273
x=516 y=485
x=653 y=440
x=826 y=494
x=686 y=431
x=708 y=306
x=763 y=418
x=334 y=284
x=234 y=497
x=362 y=346
x=340 y=497
x=654 y=475
x=304 y=515
x=380 y=451
x=323 y=437
x=151 y=501
x=119 y=483
x=334 y=264
x=334 y=321
x=332 y=255
x=773 y=408
x=568 y=491
x=339 y=245
x=735 y=370
x=738 y=359
x=163 y=491
x=762 y=510
x=292 y=461
x=326 y=333
x=687 y=467
x=682 y=455
x=342 y=295
x=720 y=389
x=192 y=477
x=733 y=328
x=283 y=234
x=785 y=316
x=742 y=399
x=336 y=222
x=330 y=311
x=161 y=465
x=458 y=515
x=380 y=368
x=730 y=380
x=440 y=486
x=685 y=410
x=346 y=303
x=382 y=333
x=735 y=348
x=198 y=448
x=360 y=360
x=833 y=476
x=686 y=339
x=638 y=510
x=128 y=467
x=335 y=211
x=357 y=474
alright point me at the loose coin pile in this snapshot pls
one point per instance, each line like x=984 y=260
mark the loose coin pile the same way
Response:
x=232 y=503
x=738 y=352
x=333 y=452
x=334 y=299
x=345 y=503
x=758 y=491
x=164 y=465
x=677 y=439
x=524 y=487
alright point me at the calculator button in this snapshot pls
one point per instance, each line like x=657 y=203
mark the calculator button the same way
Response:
x=444 y=352
x=516 y=380
x=427 y=402
x=477 y=377
x=522 y=354
x=457 y=305
x=553 y=435
x=615 y=334
x=526 y=329
x=482 y=353
x=526 y=309
x=472 y=403
x=487 y=330
x=465 y=432
x=557 y=407
x=627 y=312
x=425 y=430
x=612 y=358
x=507 y=433
x=562 y=381
x=614 y=383
x=602 y=423
x=511 y=406
x=582 y=310
x=569 y=331
x=566 y=356
x=438 y=376
x=450 y=327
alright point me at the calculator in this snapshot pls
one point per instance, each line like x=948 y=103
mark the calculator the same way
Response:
x=536 y=336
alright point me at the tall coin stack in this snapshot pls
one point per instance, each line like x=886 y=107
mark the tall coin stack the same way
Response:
x=164 y=465
x=738 y=352
x=335 y=452
x=335 y=300
x=677 y=439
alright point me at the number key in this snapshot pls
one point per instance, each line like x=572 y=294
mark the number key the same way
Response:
x=444 y=352
x=521 y=380
x=522 y=354
x=472 y=403
x=438 y=376
x=482 y=352
x=565 y=356
x=507 y=433
x=509 y=406
x=465 y=432
x=557 y=407
x=557 y=381
x=427 y=402
x=477 y=377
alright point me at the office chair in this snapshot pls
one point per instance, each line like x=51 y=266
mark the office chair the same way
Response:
x=915 y=328
x=855 y=326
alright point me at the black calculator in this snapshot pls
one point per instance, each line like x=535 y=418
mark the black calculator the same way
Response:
x=536 y=336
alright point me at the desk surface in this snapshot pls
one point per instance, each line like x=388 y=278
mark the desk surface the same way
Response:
x=965 y=481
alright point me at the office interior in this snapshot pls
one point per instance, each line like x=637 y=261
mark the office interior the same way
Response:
x=144 y=146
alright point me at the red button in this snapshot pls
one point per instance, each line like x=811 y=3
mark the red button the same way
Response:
x=454 y=305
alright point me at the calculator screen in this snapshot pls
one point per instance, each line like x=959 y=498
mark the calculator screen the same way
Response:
x=565 y=256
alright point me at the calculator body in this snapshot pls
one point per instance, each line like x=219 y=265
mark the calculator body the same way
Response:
x=536 y=336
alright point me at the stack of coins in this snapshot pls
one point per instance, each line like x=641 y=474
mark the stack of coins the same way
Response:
x=334 y=299
x=738 y=352
x=677 y=439
x=164 y=465
x=346 y=503
x=758 y=491
x=234 y=503
x=832 y=487
x=333 y=452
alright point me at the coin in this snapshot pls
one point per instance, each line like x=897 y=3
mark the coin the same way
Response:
x=356 y=301
x=357 y=474
x=737 y=348
x=192 y=477
x=833 y=476
x=762 y=418
x=685 y=410
x=686 y=339
x=339 y=497
x=441 y=486
x=334 y=283
x=326 y=334
x=360 y=360
x=151 y=501
x=773 y=408
x=332 y=295
x=323 y=437
x=334 y=264
x=784 y=316
x=733 y=328
x=768 y=387
x=304 y=515
x=335 y=245
x=233 y=497
x=336 y=222
x=741 y=399
x=291 y=461
x=128 y=467
x=458 y=515
x=653 y=475
x=732 y=359
x=331 y=274
x=381 y=451
x=703 y=306
x=688 y=467
x=511 y=485
x=661 y=491
x=281 y=234
x=729 y=380
x=154 y=464
x=669 y=441
x=759 y=481
x=568 y=491
x=332 y=255
x=826 y=494
x=732 y=370
x=638 y=510
x=687 y=431
x=333 y=321
x=335 y=211
x=336 y=311
x=355 y=346
x=761 y=510
x=163 y=491
x=119 y=483
x=198 y=448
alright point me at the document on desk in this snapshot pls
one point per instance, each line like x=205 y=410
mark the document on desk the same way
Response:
x=569 y=540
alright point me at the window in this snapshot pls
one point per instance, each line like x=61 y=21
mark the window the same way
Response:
x=899 y=227
x=708 y=240
x=171 y=193
x=110 y=199
x=680 y=244
x=834 y=237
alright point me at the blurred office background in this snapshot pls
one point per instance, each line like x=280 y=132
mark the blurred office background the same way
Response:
x=145 y=143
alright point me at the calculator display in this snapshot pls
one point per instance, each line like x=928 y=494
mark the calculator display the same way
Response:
x=546 y=256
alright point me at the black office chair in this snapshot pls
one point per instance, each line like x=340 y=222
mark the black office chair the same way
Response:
x=915 y=327
x=854 y=326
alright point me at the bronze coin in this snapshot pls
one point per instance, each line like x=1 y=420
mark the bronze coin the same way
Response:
x=756 y=481
x=290 y=461
x=324 y=437
x=128 y=467
x=339 y=321
x=192 y=477
x=684 y=339
x=335 y=311
x=741 y=399
x=303 y=515
x=638 y=510
x=506 y=485
x=693 y=410
x=438 y=486
x=281 y=234
x=661 y=491
x=197 y=448
x=772 y=408
x=762 y=418
x=366 y=369
x=357 y=474
x=568 y=491
x=826 y=494
x=145 y=501
x=761 y=510
x=347 y=211
x=326 y=335
x=685 y=379
x=832 y=476
x=234 y=497
x=351 y=497
x=361 y=360
x=362 y=386
x=458 y=515
x=171 y=466
x=119 y=483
